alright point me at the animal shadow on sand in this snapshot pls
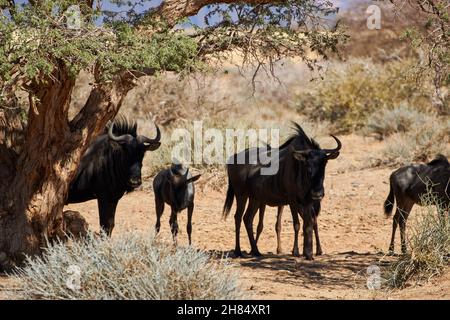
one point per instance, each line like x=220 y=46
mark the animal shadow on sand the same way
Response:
x=336 y=270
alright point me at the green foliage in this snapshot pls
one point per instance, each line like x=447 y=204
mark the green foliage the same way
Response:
x=37 y=40
x=134 y=51
x=131 y=266
x=265 y=33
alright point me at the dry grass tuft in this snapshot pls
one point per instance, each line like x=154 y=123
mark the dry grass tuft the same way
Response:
x=428 y=246
x=131 y=266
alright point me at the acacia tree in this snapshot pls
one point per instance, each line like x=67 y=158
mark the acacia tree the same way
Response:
x=434 y=41
x=40 y=147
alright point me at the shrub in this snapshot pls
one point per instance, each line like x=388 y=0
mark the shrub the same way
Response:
x=420 y=143
x=428 y=244
x=351 y=91
x=131 y=266
x=403 y=118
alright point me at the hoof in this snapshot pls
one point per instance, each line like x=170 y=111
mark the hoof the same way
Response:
x=280 y=251
x=295 y=253
x=255 y=253
x=238 y=254
x=308 y=257
x=319 y=253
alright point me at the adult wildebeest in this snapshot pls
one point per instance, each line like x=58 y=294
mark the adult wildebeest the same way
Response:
x=297 y=183
x=316 y=210
x=110 y=167
x=175 y=186
x=409 y=184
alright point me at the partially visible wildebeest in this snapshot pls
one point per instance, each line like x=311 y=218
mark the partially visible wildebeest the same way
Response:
x=297 y=183
x=110 y=167
x=408 y=186
x=175 y=186
x=315 y=212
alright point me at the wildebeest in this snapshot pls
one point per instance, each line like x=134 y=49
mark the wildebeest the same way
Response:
x=316 y=210
x=297 y=183
x=175 y=186
x=110 y=167
x=408 y=186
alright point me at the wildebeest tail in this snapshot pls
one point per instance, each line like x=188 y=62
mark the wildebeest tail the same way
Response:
x=389 y=203
x=229 y=200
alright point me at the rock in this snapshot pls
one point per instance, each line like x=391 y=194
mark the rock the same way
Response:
x=75 y=225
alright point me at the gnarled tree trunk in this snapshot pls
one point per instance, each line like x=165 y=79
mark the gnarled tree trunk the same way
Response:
x=35 y=181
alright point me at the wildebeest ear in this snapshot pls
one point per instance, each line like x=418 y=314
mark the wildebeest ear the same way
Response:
x=300 y=155
x=193 y=179
x=333 y=155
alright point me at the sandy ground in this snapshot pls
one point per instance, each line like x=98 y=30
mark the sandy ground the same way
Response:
x=354 y=235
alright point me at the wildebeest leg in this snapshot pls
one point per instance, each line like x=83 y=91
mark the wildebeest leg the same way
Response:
x=248 y=221
x=189 y=222
x=296 y=223
x=240 y=207
x=260 y=227
x=316 y=234
x=107 y=212
x=395 y=221
x=174 y=225
x=405 y=209
x=159 y=207
x=315 y=214
x=308 y=228
x=278 y=229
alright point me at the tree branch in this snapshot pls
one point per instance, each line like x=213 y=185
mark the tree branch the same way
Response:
x=173 y=10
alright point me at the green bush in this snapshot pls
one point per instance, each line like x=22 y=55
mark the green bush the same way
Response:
x=131 y=266
x=351 y=91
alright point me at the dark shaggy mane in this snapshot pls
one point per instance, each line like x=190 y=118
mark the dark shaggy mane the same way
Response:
x=103 y=157
x=300 y=134
x=440 y=159
x=122 y=126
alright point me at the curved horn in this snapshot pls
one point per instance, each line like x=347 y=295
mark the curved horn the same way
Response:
x=185 y=175
x=119 y=139
x=144 y=139
x=339 y=146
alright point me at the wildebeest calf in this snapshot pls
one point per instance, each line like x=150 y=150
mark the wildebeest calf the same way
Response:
x=174 y=186
x=409 y=184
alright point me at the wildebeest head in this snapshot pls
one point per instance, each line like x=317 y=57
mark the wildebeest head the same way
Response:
x=311 y=162
x=132 y=149
x=181 y=185
x=179 y=176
